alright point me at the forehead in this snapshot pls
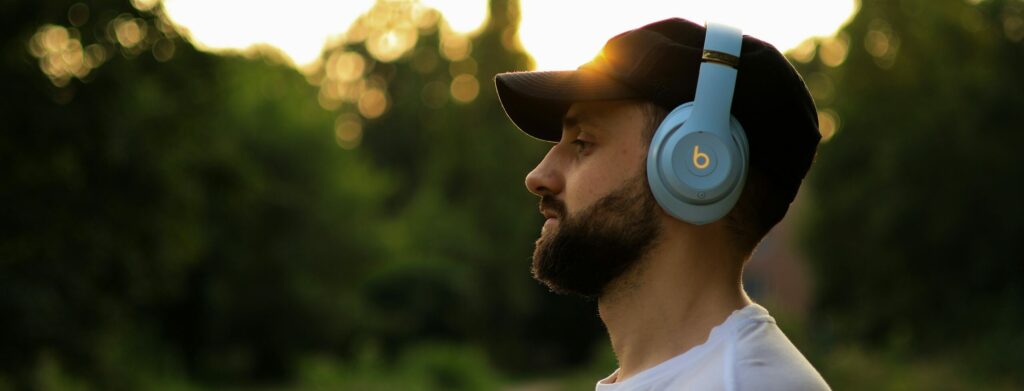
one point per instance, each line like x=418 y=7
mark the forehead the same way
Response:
x=619 y=117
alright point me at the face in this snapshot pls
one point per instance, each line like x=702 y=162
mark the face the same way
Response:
x=601 y=216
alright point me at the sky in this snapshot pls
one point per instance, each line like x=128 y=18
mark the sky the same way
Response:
x=558 y=34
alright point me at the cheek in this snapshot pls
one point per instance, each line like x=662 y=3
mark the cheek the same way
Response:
x=580 y=193
x=592 y=182
x=602 y=172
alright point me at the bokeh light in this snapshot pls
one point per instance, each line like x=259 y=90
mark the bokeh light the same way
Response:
x=804 y=52
x=833 y=50
x=455 y=47
x=828 y=124
x=882 y=43
x=61 y=55
x=129 y=31
x=348 y=131
x=373 y=103
x=345 y=66
x=465 y=88
x=163 y=49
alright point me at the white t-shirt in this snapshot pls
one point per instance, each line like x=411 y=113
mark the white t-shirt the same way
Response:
x=746 y=352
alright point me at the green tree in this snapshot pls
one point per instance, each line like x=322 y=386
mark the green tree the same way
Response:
x=916 y=199
x=164 y=218
x=173 y=218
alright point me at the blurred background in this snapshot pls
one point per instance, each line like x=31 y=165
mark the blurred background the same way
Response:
x=303 y=196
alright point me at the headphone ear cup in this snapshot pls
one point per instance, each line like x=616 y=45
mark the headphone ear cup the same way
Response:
x=696 y=176
x=739 y=136
x=697 y=161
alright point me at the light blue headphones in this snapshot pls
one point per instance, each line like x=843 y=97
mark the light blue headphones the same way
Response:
x=697 y=161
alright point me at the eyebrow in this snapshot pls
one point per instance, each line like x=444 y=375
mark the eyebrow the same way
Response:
x=570 y=121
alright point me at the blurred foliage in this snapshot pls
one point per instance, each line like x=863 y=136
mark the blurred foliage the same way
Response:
x=420 y=367
x=176 y=220
x=185 y=219
x=916 y=212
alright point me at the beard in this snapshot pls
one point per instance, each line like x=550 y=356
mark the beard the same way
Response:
x=588 y=250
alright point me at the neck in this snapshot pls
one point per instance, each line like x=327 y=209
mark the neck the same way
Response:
x=670 y=302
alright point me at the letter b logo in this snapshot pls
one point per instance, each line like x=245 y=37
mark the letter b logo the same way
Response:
x=701 y=160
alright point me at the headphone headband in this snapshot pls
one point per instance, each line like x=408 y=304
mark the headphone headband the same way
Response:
x=723 y=39
x=717 y=78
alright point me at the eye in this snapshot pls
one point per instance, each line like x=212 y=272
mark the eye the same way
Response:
x=582 y=147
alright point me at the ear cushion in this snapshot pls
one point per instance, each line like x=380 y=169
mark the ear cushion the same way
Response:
x=696 y=176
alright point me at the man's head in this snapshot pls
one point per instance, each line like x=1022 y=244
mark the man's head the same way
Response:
x=601 y=215
x=602 y=116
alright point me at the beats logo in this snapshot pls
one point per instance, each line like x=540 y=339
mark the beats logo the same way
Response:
x=701 y=160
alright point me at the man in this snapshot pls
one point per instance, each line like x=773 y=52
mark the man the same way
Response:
x=669 y=291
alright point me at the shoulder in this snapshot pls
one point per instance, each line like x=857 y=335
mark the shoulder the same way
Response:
x=763 y=358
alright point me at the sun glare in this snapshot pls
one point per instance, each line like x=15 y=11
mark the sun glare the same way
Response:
x=567 y=33
x=317 y=37
x=300 y=28
x=557 y=34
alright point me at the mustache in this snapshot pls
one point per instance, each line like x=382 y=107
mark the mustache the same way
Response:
x=552 y=204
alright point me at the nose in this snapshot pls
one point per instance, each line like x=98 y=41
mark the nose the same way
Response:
x=546 y=178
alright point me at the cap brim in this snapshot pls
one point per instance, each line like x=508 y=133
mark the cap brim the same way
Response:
x=537 y=101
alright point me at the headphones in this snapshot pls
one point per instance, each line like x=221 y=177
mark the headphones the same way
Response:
x=697 y=161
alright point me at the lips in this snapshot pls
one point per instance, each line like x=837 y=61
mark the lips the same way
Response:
x=552 y=209
x=550 y=218
x=550 y=222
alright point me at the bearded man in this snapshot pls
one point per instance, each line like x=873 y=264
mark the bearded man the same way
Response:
x=668 y=289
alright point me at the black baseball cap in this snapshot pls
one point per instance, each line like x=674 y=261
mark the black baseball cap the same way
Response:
x=659 y=62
